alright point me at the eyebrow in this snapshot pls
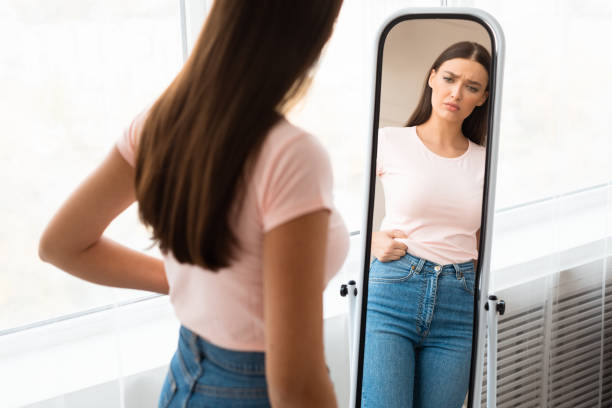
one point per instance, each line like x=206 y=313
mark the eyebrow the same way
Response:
x=469 y=81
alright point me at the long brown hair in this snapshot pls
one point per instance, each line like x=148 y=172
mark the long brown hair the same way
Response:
x=203 y=134
x=474 y=127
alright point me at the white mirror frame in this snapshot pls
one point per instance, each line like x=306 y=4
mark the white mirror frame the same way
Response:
x=498 y=52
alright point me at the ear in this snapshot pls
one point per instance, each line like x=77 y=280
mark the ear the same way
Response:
x=432 y=74
x=483 y=99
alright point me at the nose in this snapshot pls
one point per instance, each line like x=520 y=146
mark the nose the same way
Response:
x=456 y=92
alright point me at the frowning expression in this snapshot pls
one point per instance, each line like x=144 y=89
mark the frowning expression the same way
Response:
x=458 y=86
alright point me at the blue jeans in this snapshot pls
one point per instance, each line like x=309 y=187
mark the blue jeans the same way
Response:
x=418 y=334
x=204 y=375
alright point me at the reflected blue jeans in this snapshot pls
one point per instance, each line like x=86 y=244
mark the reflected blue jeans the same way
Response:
x=204 y=375
x=418 y=334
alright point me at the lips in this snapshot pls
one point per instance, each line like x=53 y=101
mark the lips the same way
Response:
x=451 y=107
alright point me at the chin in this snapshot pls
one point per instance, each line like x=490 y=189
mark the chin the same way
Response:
x=450 y=116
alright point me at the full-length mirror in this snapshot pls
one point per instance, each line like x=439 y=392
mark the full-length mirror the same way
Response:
x=432 y=125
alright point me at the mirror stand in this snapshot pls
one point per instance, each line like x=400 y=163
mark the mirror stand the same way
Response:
x=495 y=306
x=350 y=289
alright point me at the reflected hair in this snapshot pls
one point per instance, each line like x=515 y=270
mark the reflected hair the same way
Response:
x=474 y=127
x=202 y=136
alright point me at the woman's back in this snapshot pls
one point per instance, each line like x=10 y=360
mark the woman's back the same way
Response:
x=292 y=177
x=240 y=203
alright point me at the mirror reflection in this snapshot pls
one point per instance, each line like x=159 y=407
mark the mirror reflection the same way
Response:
x=430 y=171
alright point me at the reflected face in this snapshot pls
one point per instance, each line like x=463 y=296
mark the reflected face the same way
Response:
x=458 y=86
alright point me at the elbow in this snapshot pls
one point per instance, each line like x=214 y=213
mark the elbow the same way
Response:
x=45 y=249
x=56 y=249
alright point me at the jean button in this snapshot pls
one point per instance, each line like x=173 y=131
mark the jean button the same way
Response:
x=437 y=268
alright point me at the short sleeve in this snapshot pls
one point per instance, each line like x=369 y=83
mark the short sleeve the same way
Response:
x=380 y=169
x=128 y=142
x=297 y=180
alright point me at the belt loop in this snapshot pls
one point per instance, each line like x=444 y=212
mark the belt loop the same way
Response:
x=420 y=265
x=193 y=346
x=458 y=272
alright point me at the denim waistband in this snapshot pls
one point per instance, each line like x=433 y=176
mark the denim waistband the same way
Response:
x=244 y=362
x=422 y=265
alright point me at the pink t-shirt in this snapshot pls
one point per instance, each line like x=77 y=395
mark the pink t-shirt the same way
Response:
x=292 y=177
x=436 y=201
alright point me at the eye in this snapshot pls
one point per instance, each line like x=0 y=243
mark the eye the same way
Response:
x=447 y=79
x=473 y=89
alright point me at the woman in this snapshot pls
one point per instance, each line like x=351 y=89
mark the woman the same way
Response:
x=239 y=201
x=421 y=285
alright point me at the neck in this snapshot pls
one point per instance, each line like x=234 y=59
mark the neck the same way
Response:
x=441 y=132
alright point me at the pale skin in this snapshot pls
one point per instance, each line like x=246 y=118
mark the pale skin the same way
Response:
x=458 y=86
x=293 y=305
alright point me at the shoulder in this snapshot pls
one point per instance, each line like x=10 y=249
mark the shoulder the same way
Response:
x=397 y=131
x=289 y=151
x=391 y=136
x=286 y=141
x=478 y=150
x=128 y=142
x=292 y=176
x=478 y=154
x=392 y=132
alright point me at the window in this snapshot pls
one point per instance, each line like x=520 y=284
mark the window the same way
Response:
x=80 y=71
x=555 y=119
x=74 y=74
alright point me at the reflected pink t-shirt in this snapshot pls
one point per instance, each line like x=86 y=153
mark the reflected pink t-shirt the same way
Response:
x=436 y=201
x=292 y=177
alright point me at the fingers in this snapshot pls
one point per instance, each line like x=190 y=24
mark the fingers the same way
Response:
x=398 y=234
x=389 y=258
x=392 y=255
x=398 y=253
x=397 y=245
x=385 y=248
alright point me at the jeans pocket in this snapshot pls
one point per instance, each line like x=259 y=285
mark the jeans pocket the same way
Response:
x=391 y=272
x=168 y=390
x=468 y=283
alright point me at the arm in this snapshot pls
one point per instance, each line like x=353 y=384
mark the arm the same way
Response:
x=294 y=256
x=73 y=239
x=385 y=248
